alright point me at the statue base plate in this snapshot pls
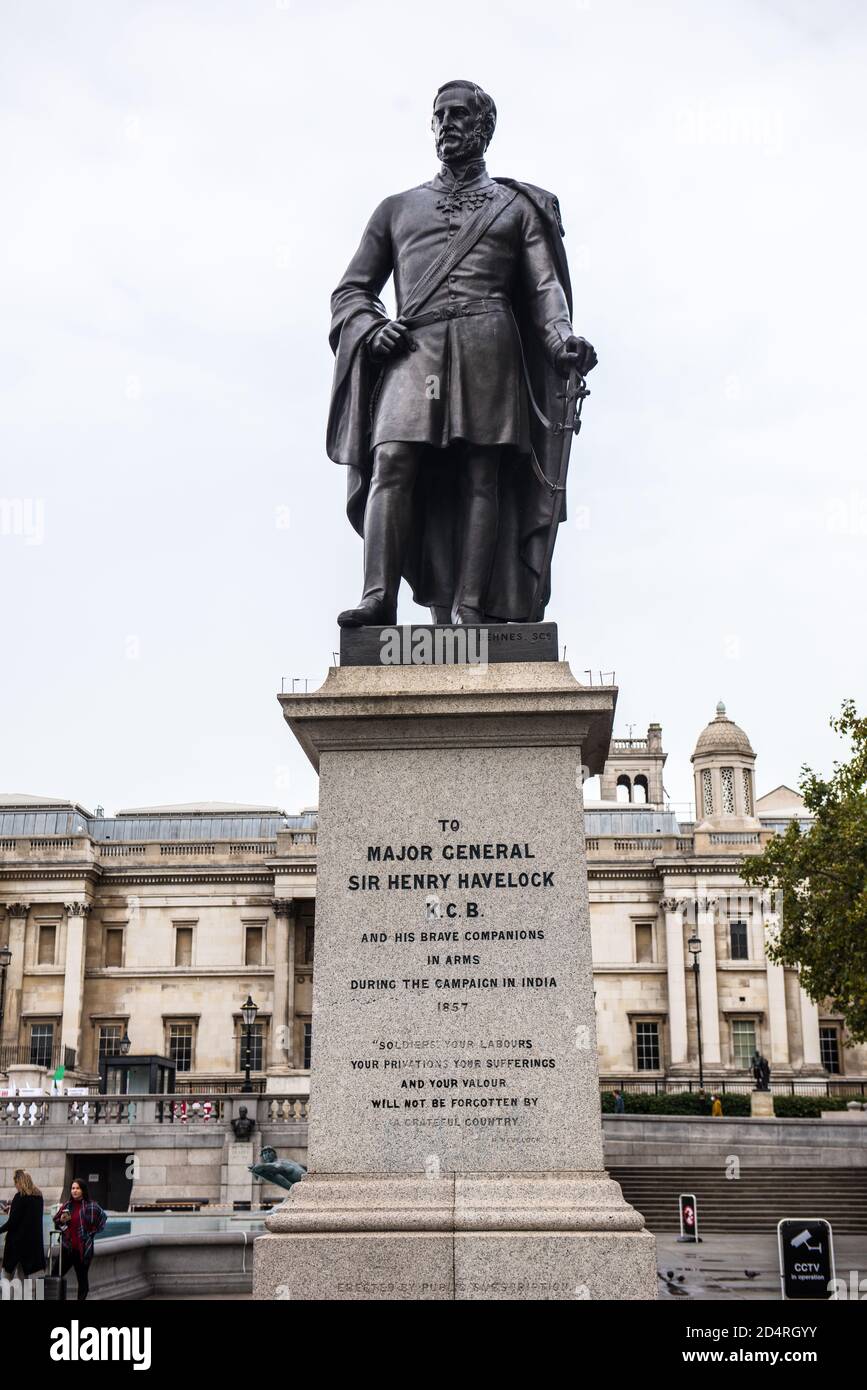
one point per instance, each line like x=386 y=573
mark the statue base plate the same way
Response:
x=424 y=644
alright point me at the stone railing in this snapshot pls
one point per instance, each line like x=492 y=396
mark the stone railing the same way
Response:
x=197 y=1110
x=297 y=843
x=645 y=846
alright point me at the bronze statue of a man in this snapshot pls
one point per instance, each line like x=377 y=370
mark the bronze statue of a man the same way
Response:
x=443 y=415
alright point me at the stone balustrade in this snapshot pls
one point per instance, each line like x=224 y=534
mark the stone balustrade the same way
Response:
x=299 y=844
x=195 y=1110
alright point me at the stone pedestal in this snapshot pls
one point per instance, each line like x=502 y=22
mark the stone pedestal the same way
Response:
x=455 y=1142
x=236 y=1180
x=761 y=1104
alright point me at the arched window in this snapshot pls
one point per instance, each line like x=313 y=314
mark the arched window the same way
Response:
x=706 y=792
x=640 y=790
x=592 y=789
x=624 y=788
x=748 y=792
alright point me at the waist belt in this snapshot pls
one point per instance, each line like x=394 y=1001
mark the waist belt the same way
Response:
x=464 y=309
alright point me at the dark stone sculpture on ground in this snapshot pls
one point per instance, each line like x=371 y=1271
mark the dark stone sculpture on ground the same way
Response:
x=282 y=1171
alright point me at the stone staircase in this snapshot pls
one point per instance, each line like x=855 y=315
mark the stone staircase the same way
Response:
x=755 y=1201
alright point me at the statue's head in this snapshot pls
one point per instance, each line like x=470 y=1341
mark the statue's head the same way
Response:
x=242 y=1112
x=268 y=1155
x=463 y=121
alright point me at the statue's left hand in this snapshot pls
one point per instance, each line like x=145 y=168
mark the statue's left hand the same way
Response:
x=577 y=353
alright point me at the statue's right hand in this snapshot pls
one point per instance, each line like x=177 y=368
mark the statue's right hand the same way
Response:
x=390 y=338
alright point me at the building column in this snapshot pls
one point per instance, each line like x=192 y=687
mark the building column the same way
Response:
x=677 y=1037
x=810 y=1030
x=73 y=984
x=282 y=1030
x=776 y=985
x=16 y=915
x=705 y=926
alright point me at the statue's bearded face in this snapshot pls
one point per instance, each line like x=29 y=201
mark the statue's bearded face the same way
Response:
x=457 y=126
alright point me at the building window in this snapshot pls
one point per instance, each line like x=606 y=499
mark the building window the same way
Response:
x=41 y=1044
x=647 y=1046
x=706 y=792
x=181 y=1045
x=183 y=945
x=113 y=944
x=110 y=1035
x=253 y=946
x=643 y=943
x=739 y=941
x=748 y=792
x=727 y=781
x=829 y=1045
x=640 y=790
x=257 y=1047
x=305 y=921
x=47 y=944
x=743 y=1041
x=623 y=791
x=308 y=1045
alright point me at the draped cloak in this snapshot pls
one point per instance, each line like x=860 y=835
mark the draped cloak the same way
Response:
x=529 y=258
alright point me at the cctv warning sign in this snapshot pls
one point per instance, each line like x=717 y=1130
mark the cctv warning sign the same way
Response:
x=806 y=1249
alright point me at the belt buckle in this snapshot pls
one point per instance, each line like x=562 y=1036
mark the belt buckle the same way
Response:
x=452 y=311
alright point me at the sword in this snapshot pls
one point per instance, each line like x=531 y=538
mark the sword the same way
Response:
x=573 y=399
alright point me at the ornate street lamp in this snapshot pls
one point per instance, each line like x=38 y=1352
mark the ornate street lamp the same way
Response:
x=125 y=1044
x=694 y=944
x=249 y=1011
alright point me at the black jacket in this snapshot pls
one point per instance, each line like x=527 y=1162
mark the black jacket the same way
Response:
x=24 y=1243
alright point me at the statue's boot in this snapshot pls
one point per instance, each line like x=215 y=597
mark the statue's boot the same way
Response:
x=479 y=538
x=477 y=556
x=369 y=613
x=465 y=616
x=386 y=525
x=441 y=616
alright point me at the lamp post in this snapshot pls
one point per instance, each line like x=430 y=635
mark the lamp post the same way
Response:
x=249 y=1011
x=125 y=1044
x=694 y=944
x=5 y=961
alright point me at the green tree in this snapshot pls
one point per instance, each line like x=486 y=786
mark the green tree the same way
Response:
x=821 y=873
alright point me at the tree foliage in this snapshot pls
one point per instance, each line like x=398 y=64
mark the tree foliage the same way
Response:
x=821 y=874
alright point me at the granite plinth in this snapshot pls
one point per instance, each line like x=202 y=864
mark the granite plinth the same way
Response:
x=428 y=644
x=551 y=1236
x=455 y=1139
x=761 y=1104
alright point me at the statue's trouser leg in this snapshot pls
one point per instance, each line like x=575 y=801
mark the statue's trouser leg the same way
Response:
x=387 y=518
x=480 y=508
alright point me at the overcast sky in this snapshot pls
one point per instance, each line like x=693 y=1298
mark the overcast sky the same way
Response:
x=184 y=183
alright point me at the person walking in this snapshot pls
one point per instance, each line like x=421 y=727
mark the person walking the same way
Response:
x=24 y=1243
x=78 y=1221
x=716 y=1107
x=619 y=1103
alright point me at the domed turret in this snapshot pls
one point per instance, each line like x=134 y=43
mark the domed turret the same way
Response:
x=724 y=762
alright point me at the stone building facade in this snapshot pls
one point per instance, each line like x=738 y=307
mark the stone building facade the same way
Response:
x=157 y=923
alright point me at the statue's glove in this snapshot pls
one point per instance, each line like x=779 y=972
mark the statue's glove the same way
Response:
x=391 y=338
x=577 y=353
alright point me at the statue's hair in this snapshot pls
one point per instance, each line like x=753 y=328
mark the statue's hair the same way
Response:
x=486 y=111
